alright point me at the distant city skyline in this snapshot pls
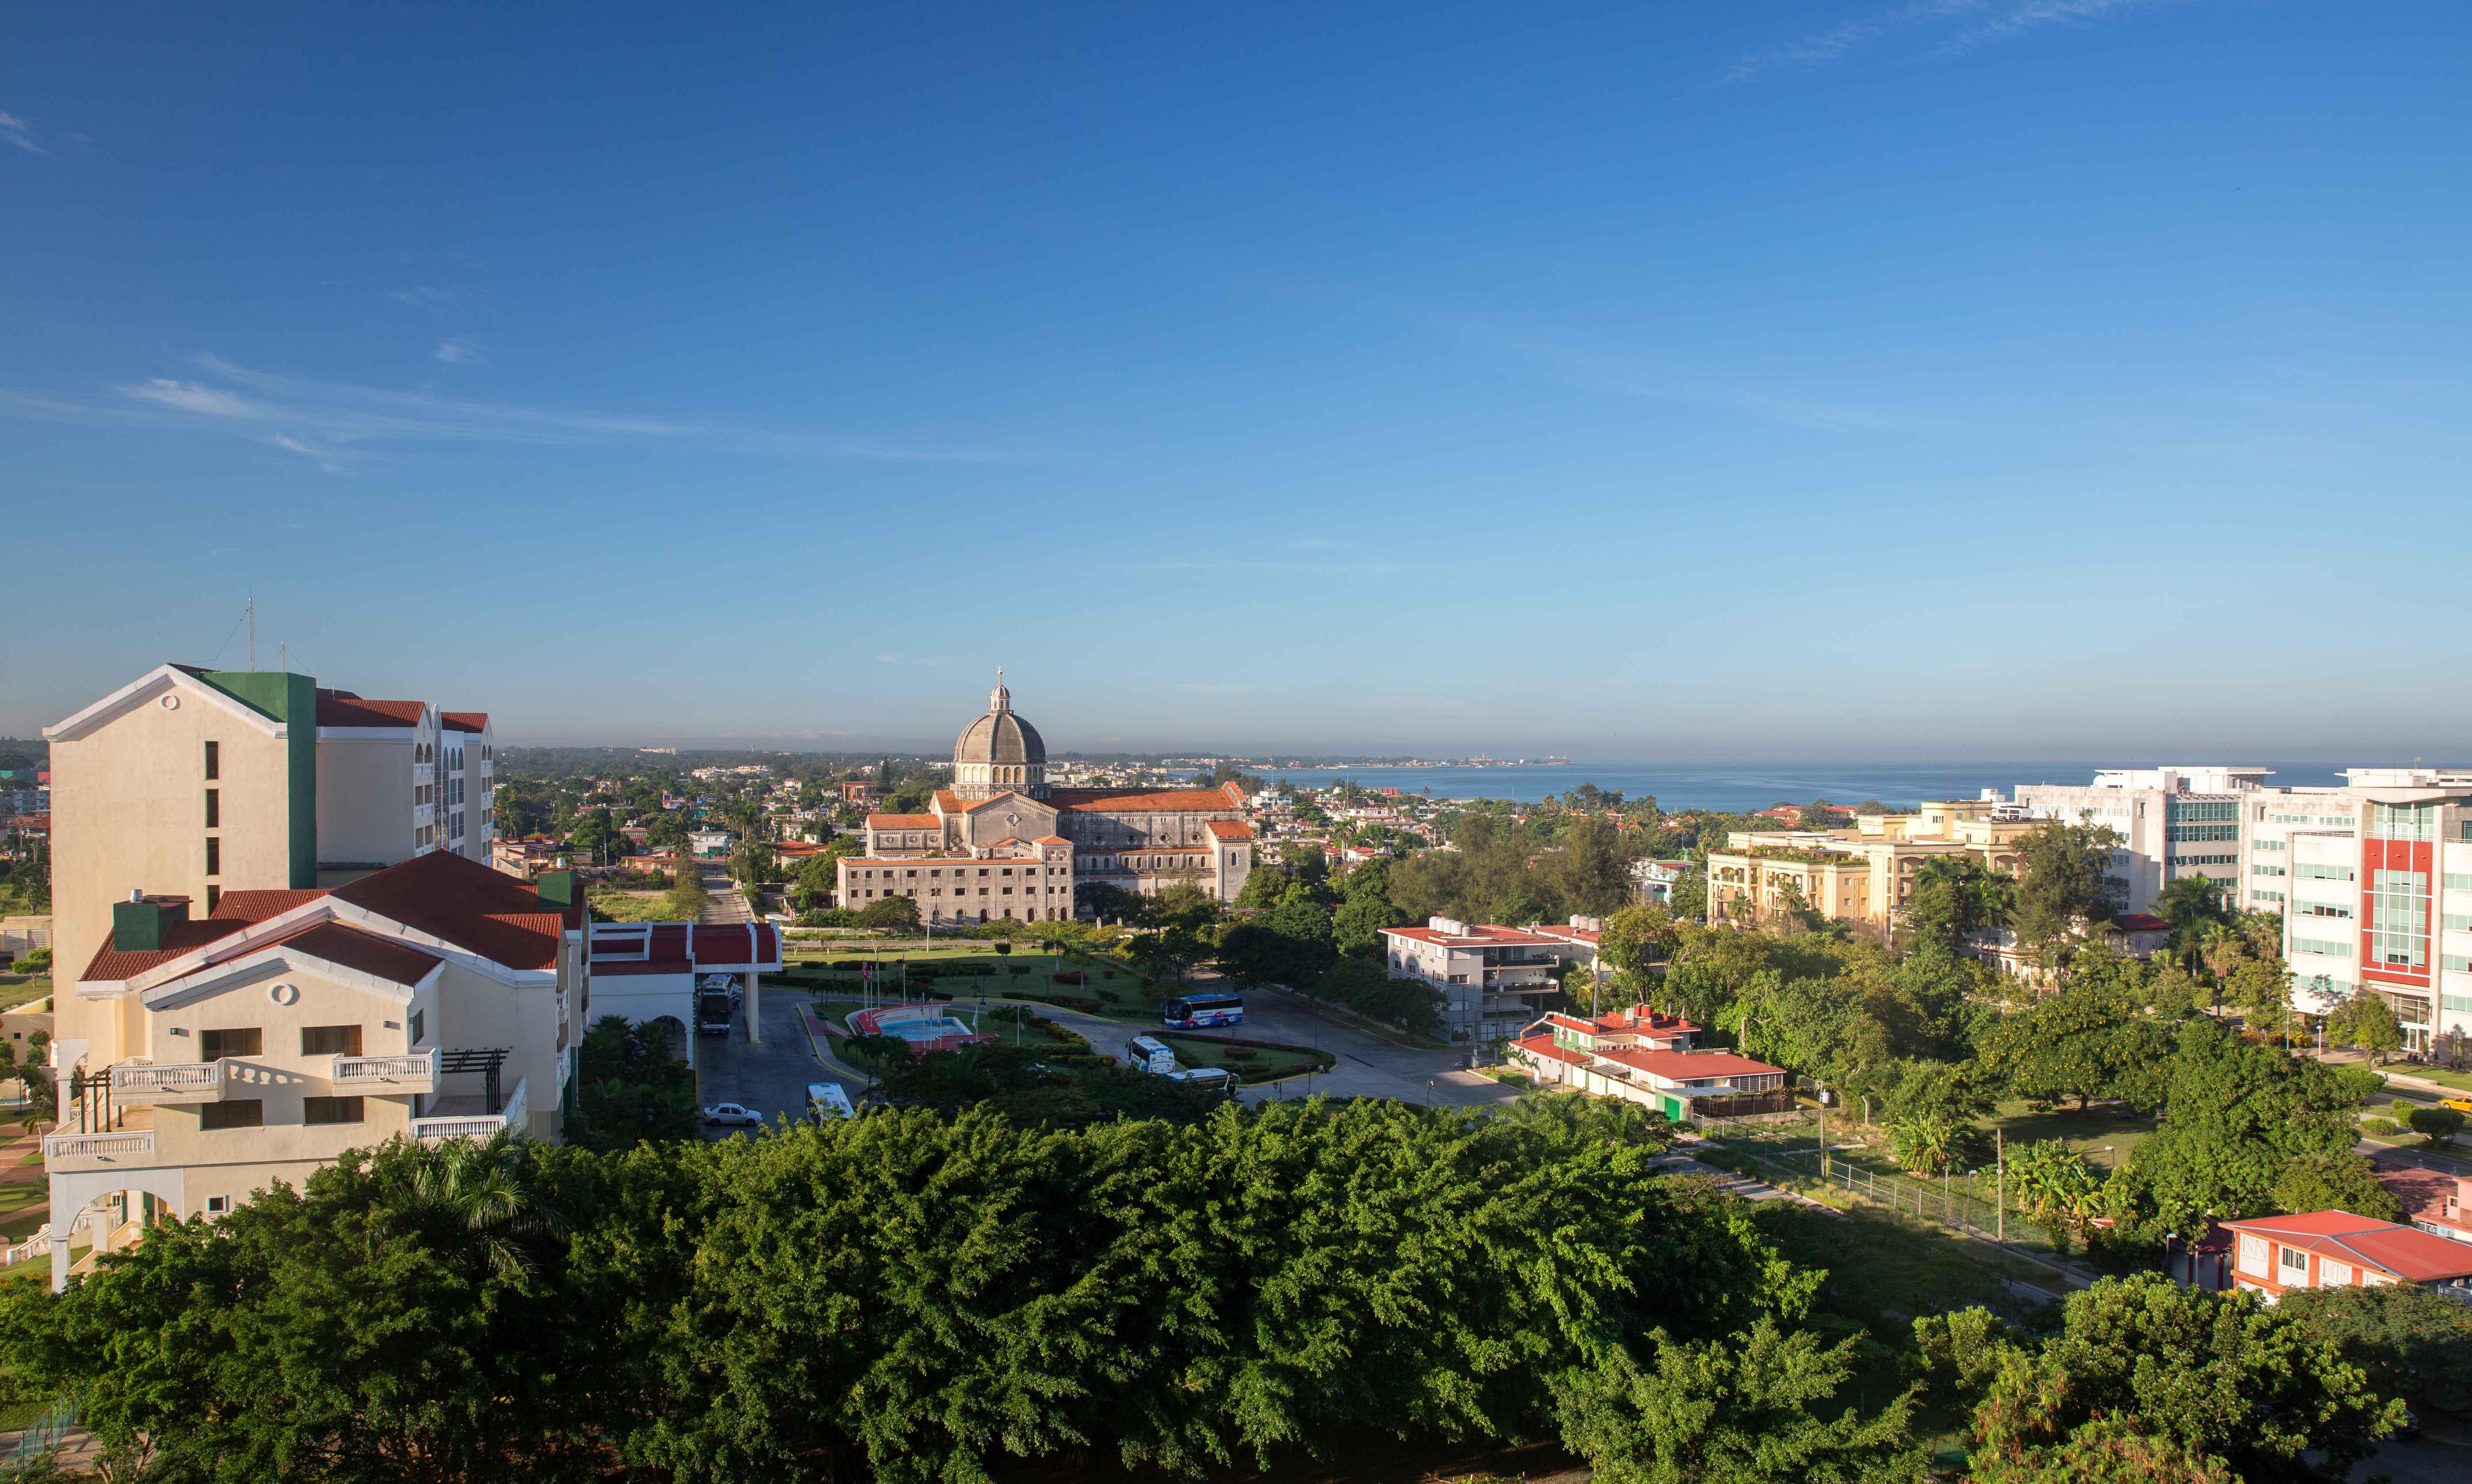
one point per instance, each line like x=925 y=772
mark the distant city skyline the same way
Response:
x=1839 y=377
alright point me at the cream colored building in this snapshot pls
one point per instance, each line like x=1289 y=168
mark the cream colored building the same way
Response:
x=216 y=1052
x=1003 y=842
x=195 y=783
x=1862 y=875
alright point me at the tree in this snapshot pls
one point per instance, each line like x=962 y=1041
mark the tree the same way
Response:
x=2236 y=1114
x=2411 y=1341
x=2193 y=904
x=2437 y=1125
x=2368 y=1022
x=1953 y=896
x=890 y=915
x=2205 y=1375
x=632 y=1086
x=2338 y=1180
x=1747 y=1409
x=2055 y=1184
x=2063 y=878
x=2089 y=1041
x=596 y=835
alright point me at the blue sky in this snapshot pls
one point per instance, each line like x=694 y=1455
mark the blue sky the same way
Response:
x=1961 y=378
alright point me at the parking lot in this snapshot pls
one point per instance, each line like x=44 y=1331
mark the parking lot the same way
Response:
x=771 y=1078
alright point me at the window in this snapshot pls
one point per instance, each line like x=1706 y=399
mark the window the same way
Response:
x=2399 y=921
x=2403 y=821
x=420 y=1025
x=214 y=759
x=2295 y=1265
x=2261 y=894
x=2460 y=963
x=2325 y=947
x=220 y=1044
x=2270 y=845
x=2460 y=880
x=2460 y=920
x=331 y=1110
x=330 y=1040
x=237 y=1113
x=2266 y=870
x=214 y=854
x=214 y=808
x=2326 y=873
x=217 y=1205
x=214 y=897
x=2323 y=910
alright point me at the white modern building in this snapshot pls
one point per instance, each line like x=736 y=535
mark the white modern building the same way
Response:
x=2174 y=822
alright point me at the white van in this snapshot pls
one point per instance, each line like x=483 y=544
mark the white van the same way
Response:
x=828 y=1101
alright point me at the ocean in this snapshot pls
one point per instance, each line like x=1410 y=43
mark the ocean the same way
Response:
x=1736 y=787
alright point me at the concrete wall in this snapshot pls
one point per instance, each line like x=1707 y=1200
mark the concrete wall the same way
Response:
x=364 y=793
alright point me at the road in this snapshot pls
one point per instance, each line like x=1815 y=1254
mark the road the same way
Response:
x=771 y=1078
x=724 y=904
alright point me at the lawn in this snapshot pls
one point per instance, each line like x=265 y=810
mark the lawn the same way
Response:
x=1014 y=1029
x=15 y=992
x=2089 y=1132
x=2458 y=1080
x=1259 y=1063
x=628 y=906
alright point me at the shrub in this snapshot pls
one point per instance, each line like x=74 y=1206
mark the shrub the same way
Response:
x=1069 y=976
x=1238 y=1053
x=2380 y=1126
x=2437 y=1125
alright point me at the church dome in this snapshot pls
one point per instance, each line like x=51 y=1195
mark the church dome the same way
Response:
x=999 y=752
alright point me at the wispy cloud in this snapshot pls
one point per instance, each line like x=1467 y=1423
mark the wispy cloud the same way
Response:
x=17 y=131
x=1975 y=22
x=326 y=459
x=456 y=350
x=331 y=419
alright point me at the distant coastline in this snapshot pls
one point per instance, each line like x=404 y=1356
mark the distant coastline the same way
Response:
x=1731 y=787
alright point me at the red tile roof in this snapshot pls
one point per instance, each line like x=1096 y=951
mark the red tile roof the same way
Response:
x=1150 y=800
x=1231 y=829
x=722 y=946
x=343 y=708
x=1543 y=1046
x=903 y=822
x=464 y=721
x=1624 y=1024
x=468 y=905
x=256 y=907
x=1688 y=1066
x=234 y=911
x=2409 y=1254
x=1478 y=935
x=388 y=958
x=2140 y=922
x=1053 y=839
x=2429 y=1195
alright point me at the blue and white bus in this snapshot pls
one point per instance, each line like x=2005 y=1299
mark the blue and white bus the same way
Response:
x=1192 y=1012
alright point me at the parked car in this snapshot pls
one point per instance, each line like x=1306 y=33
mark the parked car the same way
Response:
x=2459 y=1104
x=732 y=1113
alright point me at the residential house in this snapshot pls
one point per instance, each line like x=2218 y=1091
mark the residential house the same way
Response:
x=2272 y=1255
x=2435 y=1201
x=1644 y=1057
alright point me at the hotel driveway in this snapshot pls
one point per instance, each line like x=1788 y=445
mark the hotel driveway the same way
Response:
x=1368 y=1066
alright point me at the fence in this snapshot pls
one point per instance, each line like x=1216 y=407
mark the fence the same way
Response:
x=1952 y=1202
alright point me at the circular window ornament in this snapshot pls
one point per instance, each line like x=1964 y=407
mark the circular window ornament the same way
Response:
x=284 y=993
x=171 y=703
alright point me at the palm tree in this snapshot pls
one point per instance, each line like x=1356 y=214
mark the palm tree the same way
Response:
x=2222 y=946
x=465 y=1197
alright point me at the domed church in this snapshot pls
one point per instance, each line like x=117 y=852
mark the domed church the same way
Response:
x=1001 y=844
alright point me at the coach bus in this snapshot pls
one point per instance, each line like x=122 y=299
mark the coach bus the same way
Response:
x=1192 y=1012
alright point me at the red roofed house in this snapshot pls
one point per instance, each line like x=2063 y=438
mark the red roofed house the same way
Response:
x=2333 y=1249
x=1001 y=809
x=223 y=1051
x=2433 y=1200
x=1646 y=1057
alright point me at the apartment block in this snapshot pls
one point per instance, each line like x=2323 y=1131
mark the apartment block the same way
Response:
x=215 y=1051
x=1493 y=979
x=1862 y=875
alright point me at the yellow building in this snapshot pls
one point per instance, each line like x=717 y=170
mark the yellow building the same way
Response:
x=1862 y=875
x=219 y=1052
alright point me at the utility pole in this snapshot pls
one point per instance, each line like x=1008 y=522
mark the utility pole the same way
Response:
x=2000 y=1178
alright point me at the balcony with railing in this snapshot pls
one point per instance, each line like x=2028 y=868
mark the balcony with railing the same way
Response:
x=467 y=1116
x=386 y=1077
x=142 y=1082
x=119 y=1146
